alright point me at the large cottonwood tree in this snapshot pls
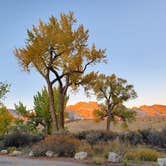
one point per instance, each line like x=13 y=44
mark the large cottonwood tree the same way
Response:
x=58 y=50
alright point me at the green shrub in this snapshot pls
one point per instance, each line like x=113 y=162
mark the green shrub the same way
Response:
x=119 y=147
x=125 y=163
x=98 y=160
x=85 y=147
x=132 y=137
x=142 y=154
x=11 y=149
x=60 y=144
x=95 y=136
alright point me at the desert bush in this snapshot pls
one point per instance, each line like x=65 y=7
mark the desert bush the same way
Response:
x=148 y=136
x=60 y=144
x=142 y=154
x=132 y=137
x=20 y=139
x=153 y=137
x=1 y=141
x=101 y=149
x=85 y=147
x=119 y=147
x=95 y=136
x=163 y=132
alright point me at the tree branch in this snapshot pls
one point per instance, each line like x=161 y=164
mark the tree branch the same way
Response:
x=85 y=67
x=104 y=94
x=58 y=78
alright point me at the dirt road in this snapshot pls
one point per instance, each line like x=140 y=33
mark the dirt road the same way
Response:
x=16 y=161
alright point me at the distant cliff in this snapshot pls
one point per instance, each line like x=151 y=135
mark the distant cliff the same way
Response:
x=154 y=110
x=85 y=110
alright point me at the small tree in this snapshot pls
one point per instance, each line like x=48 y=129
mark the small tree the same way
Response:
x=4 y=88
x=6 y=120
x=21 y=109
x=40 y=115
x=41 y=106
x=24 y=122
x=59 y=49
x=113 y=92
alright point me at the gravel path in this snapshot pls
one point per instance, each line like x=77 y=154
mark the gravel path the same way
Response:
x=16 y=161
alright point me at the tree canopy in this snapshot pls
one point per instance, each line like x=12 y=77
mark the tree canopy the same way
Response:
x=113 y=92
x=59 y=51
x=6 y=120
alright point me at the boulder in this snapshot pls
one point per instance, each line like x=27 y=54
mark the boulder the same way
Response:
x=81 y=155
x=161 y=161
x=49 y=154
x=31 y=154
x=4 y=151
x=16 y=153
x=114 y=157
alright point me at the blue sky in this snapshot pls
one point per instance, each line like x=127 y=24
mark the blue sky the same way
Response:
x=132 y=31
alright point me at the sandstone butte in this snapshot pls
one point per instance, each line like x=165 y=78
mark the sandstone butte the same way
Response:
x=86 y=109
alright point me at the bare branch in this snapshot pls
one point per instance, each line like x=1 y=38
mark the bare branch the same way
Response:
x=104 y=94
x=57 y=76
x=85 y=67
x=56 y=56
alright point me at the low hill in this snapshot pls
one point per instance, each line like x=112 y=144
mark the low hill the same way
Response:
x=154 y=110
x=85 y=110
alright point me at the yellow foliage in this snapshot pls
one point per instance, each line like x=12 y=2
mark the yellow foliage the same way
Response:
x=143 y=154
x=60 y=45
x=6 y=120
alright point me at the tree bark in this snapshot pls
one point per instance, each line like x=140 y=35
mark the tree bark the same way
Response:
x=61 y=108
x=52 y=109
x=47 y=128
x=108 y=123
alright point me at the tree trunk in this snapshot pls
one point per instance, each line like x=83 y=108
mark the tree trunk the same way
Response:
x=108 y=123
x=47 y=128
x=61 y=108
x=52 y=109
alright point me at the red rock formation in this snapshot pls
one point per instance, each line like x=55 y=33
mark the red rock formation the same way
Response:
x=154 y=110
x=84 y=109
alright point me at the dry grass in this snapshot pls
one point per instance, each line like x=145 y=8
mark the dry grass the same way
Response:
x=139 y=124
x=142 y=154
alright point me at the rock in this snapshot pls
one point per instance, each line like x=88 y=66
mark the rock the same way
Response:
x=81 y=155
x=114 y=157
x=49 y=154
x=161 y=161
x=16 y=153
x=56 y=155
x=4 y=151
x=31 y=154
